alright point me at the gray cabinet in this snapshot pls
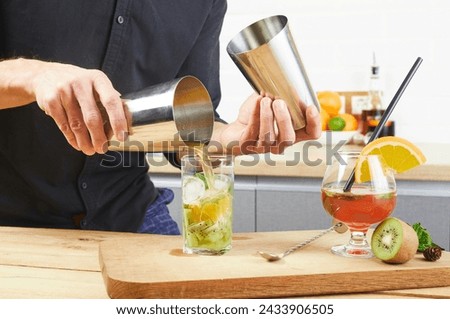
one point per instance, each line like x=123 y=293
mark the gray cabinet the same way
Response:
x=427 y=203
x=288 y=203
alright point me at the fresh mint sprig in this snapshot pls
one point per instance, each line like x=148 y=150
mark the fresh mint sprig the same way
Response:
x=424 y=236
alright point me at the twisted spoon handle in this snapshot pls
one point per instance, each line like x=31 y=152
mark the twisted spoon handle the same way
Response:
x=298 y=246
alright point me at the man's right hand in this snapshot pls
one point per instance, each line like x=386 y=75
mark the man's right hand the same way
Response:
x=69 y=94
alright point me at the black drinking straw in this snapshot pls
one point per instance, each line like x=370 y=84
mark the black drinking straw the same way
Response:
x=386 y=114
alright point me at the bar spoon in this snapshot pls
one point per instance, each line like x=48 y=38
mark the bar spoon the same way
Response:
x=275 y=257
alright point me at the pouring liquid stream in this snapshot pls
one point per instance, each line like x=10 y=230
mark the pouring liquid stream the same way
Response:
x=201 y=151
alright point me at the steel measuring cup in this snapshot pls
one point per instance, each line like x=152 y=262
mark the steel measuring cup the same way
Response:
x=166 y=116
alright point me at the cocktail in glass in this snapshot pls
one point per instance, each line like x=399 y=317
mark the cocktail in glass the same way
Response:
x=370 y=199
x=207 y=192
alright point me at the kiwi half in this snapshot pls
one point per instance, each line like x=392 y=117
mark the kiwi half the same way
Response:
x=394 y=241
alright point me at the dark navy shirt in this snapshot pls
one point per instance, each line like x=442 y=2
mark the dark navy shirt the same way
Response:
x=44 y=182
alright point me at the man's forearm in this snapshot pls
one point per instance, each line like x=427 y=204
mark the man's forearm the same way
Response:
x=16 y=78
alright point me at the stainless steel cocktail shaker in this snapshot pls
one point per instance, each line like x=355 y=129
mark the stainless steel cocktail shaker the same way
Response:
x=266 y=54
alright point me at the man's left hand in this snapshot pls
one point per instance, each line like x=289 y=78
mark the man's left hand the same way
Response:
x=265 y=125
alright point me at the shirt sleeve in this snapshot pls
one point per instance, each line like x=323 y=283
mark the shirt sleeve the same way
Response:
x=203 y=60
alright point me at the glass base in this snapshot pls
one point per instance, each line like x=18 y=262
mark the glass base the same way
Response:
x=352 y=251
x=357 y=247
x=206 y=251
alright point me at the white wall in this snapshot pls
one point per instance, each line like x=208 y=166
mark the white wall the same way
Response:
x=336 y=39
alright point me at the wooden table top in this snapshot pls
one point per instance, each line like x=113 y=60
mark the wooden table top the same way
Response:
x=54 y=263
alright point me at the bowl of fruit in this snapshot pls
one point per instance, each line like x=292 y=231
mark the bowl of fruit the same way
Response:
x=337 y=126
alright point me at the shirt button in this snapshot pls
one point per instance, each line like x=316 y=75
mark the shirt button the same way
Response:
x=84 y=185
x=83 y=223
x=120 y=19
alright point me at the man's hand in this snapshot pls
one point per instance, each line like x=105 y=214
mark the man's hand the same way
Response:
x=265 y=125
x=69 y=94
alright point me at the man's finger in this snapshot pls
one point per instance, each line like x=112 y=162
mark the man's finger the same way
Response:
x=250 y=134
x=92 y=117
x=313 y=127
x=266 y=128
x=110 y=99
x=55 y=110
x=76 y=122
x=286 y=132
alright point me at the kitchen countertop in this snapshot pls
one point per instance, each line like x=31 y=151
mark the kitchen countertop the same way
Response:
x=309 y=160
x=55 y=263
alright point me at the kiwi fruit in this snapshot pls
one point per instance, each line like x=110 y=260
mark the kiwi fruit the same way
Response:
x=394 y=241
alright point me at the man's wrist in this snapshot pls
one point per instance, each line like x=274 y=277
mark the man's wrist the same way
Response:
x=16 y=81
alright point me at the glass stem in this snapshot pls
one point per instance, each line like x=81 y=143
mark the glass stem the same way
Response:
x=358 y=239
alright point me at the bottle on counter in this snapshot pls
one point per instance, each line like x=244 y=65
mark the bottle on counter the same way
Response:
x=371 y=116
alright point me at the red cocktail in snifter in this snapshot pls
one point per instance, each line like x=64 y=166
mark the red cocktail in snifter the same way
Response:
x=365 y=203
x=360 y=207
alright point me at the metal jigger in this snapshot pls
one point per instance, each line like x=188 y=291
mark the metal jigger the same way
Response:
x=266 y=54
x=166 y=116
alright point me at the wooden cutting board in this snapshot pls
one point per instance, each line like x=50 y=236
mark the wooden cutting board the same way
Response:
x=154 y=266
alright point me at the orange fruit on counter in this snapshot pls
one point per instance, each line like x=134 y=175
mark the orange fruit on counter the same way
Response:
x=351 y=124
x=330 y=101
x=324 y=117
x=399 y=155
